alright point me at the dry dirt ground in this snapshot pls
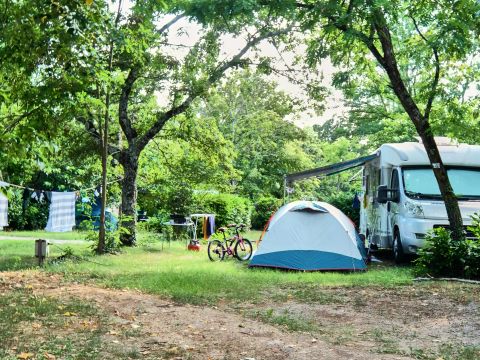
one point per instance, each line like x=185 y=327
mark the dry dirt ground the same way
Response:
x=342 y=323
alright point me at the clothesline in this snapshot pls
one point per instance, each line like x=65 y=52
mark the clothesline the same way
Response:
x=4 y=183
x=61 y=215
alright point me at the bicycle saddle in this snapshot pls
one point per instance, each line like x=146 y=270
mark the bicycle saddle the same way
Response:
x=222 y=229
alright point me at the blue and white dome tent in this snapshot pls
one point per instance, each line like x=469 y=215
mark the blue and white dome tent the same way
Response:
x=310 y=235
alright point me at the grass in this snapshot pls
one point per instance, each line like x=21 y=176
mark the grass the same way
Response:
x=447 y=352
x=189 y=277
x=19 y=254
x=44 y=328
x=29 y=326
x=286 y=320
x=40 y=234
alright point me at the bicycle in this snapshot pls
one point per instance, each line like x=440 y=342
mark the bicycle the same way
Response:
x=236 y=246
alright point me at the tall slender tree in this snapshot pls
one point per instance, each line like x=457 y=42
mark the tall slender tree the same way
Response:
x=351 y=33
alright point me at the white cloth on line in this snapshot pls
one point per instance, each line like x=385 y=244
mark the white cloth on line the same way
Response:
x=3 y=210
x=61 y=217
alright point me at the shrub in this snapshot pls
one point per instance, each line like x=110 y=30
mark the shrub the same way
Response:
x=154 y=223
x=264 y=208
x=442 y=256
x=33 y=217
x=227 y=208
x=112 y=242
x=344 y=202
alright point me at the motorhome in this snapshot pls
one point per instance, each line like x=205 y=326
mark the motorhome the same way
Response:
x=401 y=200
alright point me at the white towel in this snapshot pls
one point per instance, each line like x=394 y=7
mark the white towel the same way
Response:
x=3 y=210
x=62 y=212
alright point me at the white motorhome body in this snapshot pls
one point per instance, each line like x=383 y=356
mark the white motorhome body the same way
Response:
x=415 y=205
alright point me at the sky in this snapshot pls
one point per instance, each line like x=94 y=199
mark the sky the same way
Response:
x=186 y=33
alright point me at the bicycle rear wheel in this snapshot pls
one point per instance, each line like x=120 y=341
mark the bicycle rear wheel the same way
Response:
x=243 y=250
x=216 y=250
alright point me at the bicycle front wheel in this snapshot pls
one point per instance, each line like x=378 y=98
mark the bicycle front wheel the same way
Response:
x=243 y=250
x=216 y=250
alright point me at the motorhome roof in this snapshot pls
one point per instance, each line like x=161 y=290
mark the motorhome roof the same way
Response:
x=410 y=153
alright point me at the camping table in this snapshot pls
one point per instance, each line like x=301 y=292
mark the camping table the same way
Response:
x=189 y=225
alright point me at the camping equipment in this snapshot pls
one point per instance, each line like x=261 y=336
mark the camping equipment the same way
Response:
x=310 y=235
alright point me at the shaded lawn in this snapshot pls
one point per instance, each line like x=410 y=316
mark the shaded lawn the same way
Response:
x=41 y=234
x=190 y=277
x=19 y=254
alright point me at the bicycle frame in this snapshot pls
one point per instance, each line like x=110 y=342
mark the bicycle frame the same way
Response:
x=230 y=242
x=232 y=245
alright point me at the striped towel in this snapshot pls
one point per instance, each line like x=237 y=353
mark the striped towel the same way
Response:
x=62 y=212
x=3 y=210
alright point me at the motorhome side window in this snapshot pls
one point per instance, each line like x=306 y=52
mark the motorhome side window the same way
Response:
x=395 y=181
x=374 y=181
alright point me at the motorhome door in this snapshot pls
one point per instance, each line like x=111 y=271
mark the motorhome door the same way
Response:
x=392 y=206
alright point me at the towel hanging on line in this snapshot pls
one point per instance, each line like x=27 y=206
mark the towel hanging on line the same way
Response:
x=61 y=217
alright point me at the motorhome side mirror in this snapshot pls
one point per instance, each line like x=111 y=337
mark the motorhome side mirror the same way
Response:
x=384 y=194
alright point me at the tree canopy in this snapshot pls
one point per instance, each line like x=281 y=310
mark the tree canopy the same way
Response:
x=192 y=116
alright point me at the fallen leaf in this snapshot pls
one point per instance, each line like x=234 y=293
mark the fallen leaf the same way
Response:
x=173 y=350
x=68 y=313
x=49 y=356
x=25 y=356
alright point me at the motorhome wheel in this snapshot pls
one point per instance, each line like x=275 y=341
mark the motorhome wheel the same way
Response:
x=397 y=248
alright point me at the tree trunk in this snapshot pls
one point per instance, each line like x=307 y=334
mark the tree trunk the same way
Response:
x=423 y=128
x=422 y=125
x=103 y=206
x=128 y=221
x=451 y=203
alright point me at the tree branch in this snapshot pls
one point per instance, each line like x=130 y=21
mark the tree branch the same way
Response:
x=433 y=88
x=123 y=117
x=170 y=23
x=163 y=117
x=304 y=6
x=96 y=136
x=367 y=40
x=15 y=122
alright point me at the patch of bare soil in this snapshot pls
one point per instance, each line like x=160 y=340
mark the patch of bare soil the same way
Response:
x=159 y=329
x=415 y=320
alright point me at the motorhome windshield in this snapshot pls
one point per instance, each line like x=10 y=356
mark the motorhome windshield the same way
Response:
x=421 y=183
